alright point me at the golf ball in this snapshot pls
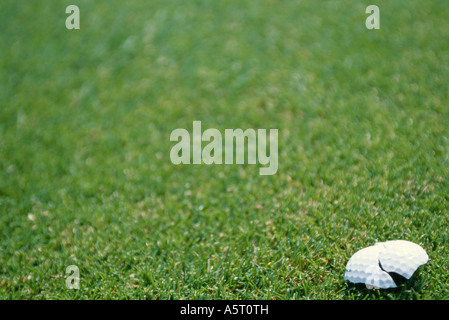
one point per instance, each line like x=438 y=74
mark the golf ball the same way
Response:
x=373 y=264
x=363 y=267
x=402 y=257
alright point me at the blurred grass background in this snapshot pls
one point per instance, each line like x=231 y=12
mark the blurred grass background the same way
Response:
x=85 y=173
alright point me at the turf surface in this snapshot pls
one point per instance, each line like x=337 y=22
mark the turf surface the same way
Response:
x=85 y=173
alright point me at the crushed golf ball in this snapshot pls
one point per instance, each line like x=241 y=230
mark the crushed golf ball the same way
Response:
x=375 y=265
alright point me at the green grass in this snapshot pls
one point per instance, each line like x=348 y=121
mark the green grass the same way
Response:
x=85 y=121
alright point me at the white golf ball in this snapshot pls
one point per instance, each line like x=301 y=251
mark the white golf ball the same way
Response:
x=373 y=264
x=402 y=257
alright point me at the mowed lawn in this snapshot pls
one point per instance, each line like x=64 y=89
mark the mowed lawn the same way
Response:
x=85 y=171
